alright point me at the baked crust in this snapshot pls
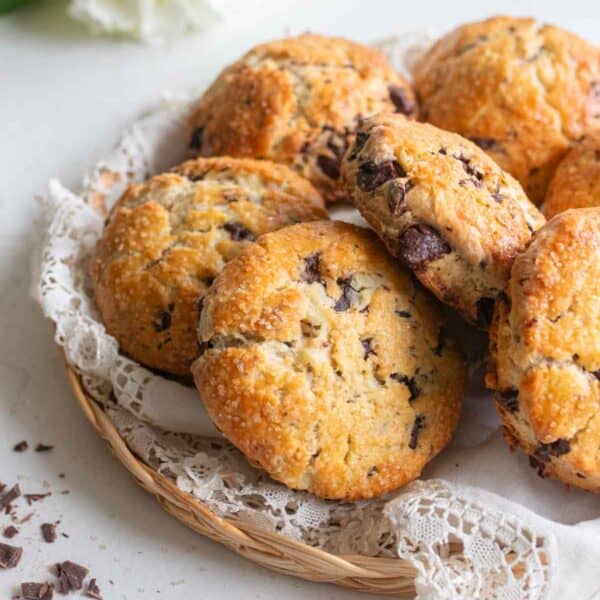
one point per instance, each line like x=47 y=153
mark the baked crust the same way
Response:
x=166 y=239
x=524 y=91
x=298 y=101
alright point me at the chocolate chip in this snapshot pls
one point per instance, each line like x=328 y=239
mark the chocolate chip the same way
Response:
x=485 y=312
x=329 y=166
x=416 y=430
x=43 y=448
x=204 y=346
x=401 y=101
x=372 y=471
x=539 y=466
x=10 y=532
x=9 y=497
x=312 y=268
x=162 y=321
x=509 y=399
x=49 y=532
x=93 y=591
x=396 y=193
x=348 y=296
x=37 y=591
x=35 y=497
x=484 y=143
x=420 y=245
x=403 y=313
x=196 y=139
x=498 y=197
x=238 y=232
x=469 y=168
x=70 y=576
x=596 y=374
x=10 y=556
x=371 y=175
x=441 y=341
x=21 y=446
x=410 y=383
x=367 y=345
x=544 y=452
x=359 y=143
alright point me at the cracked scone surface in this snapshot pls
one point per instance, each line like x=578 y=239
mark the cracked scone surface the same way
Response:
x=545 y=347
x=442 y=207
x=326 y=364
x=166 y=239
x=524 y=91
x=576 y=182
x=298 y=101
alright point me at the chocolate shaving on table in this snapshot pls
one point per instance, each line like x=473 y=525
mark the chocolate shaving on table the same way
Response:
x=35 y=497
x=49 y=532
x=9 y=556
x=25 y=518
x=70 y=576
x=43 y=448
x=10 y=532
x=9 y=497
x=21 y=446
x=37 y=591
x=93 y=591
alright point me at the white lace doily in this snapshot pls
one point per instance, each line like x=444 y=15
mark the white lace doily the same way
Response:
x=501 y=556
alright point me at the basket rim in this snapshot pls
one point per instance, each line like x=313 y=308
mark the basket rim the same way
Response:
x=376 y=575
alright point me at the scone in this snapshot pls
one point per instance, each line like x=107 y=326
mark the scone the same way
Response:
x=167 y=238
x=298 y=101
x=523 y=91
x=442 y=207
x=576 y=182
x=326 y=364
x=545 y=347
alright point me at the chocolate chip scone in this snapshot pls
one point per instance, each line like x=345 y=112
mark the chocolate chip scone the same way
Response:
x=326 y=364
x=298 y=101
x=523 y=91
x=545 y=347
x=166 y=240
x=576 y=182
x=443 y=207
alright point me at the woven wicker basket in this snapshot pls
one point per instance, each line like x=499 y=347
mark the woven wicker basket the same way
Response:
x=387 y=576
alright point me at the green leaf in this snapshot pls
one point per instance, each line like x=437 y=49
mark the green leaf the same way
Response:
x=8 y=5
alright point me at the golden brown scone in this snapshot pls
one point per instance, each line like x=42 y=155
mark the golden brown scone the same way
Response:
x=298 y=101
x=443 y=207
x=576 y=182
x=326 y=364
x=167 y=238
x=545 y=347
x=523 y=91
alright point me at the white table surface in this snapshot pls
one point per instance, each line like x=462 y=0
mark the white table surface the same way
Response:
x=64 y=98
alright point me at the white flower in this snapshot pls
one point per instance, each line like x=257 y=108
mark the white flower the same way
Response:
x=146 y=20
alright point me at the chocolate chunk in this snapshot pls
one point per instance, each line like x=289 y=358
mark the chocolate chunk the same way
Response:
x=329 y=166
x=10 y=532
x=420 y=245
x=371 y=175
x=544 y=452
x=162 y=321
x=596 y=374
x=238 y=232
x=401 y=101
x=538 y=465
x=93 y=591
x=37 y=591
x=312 y=268
x=70 y=576
x=21 y=446
x=43 y=448
x=9 y=497
x=49 y=532
x=35 y=497
x=396 y=193
x=508 y=398
x=410 y=383
x=416 y=430
x=348 y=296
x=403 y=313
x=10 y=556
x=470 y=169
x=196 y=139
x=359 y=143
x=485 y=312
x=367 y=345
x=484 y=143
x=204 y=346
